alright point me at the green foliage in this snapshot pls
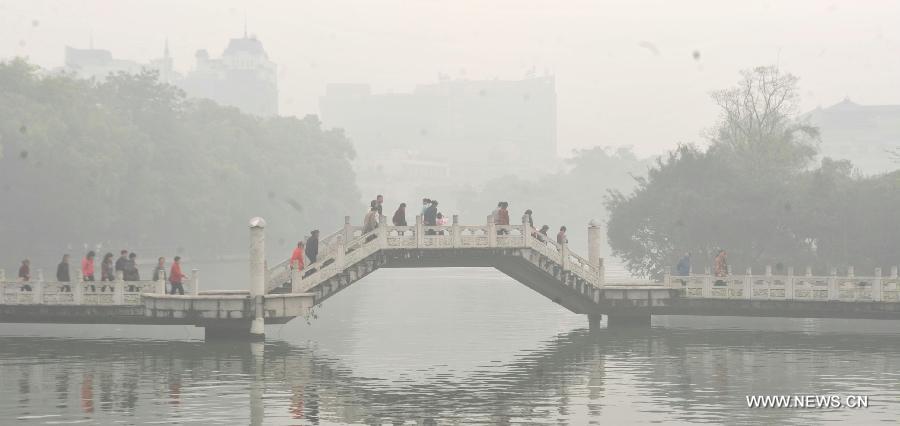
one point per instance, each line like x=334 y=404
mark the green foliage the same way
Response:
x=131 y=162
x=753 y=193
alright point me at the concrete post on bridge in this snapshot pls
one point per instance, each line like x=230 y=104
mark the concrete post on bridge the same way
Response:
x=257 y=276
x=595 y=244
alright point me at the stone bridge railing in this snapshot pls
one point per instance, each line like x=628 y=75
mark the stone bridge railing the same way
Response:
x=349 y=245
x=768 y=286
x=78 y=292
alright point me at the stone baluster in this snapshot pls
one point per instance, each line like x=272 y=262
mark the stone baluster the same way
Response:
x=2 y=285
x=257 y=276
x=526 y=234
x=119 y=289
x=564 y=256
x=850 y=272
x=420 y=231
x=297 y=277
x=808 y=271
x=748 y=284
x=37 y=287
x=833 y=290
x=492 y=231
x=455 y=231
x=893 y=272
x=789 y=284
x=667 y=278
x=161 y=283
x=348 y=230
x=195 y=281
x=3 y=275
x=601 y=274
x=595 y=244
x=876 y=286
x=382 y=232
x=706 y=291
x=78 y=287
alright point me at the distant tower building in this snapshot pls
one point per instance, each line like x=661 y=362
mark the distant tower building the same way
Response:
x=243 y=77
x=99 y=63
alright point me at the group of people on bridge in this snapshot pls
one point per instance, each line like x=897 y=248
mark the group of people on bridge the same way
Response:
x=431 y=216
x=125 y=267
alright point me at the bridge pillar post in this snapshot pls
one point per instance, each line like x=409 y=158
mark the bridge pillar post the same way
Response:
x=492 y=231
x=420 y=231
x=78 y=287
x=748 y=284
x=257 y=277
x=594 y=321
x=457 y=240
x=595 y=242
x=876 y=286
x=833 y=291
x=119 y=288
x=195 y=282
x=348 y=230
x=789 y=284
x=38 y=288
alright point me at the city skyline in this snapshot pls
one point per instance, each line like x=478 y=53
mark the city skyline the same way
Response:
x=627 y=75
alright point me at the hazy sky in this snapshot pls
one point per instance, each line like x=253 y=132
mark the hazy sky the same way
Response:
x=625 y=70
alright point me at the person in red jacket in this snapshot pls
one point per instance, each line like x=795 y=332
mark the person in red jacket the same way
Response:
x=176 y=278
x=87 y=267
x=297 y=257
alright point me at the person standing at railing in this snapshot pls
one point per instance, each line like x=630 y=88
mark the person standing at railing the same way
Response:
x=379 y=200
x=370 y=221
x=176 y=277
x=159 y=271
x=430 y=217
x=399 y=218
x=87 y=268
x=25 y=275
x=495 y=215
x=426 y=203
x=503 y=218
x=312 y=246
x=62 y=273
x=297 y=257
x=527 y=219
x=121 y=262
x=131 y=272
x=542 y=234
x=683 y=268
x=107 y=272
x=561 y=237
x=721 y=266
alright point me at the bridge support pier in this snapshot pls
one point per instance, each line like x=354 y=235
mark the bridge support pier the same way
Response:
x=594 y=321
x=231 y=330
x=628 y=320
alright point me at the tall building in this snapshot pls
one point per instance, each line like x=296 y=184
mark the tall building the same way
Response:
x=465 y=130
x=864 y=134
x=242 y=77
x=97 y=64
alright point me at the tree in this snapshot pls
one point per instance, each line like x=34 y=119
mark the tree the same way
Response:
x=754 y=193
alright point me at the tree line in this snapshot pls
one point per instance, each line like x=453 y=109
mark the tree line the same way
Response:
x=131 y=162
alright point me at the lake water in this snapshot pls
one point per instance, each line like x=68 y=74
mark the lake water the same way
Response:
x=445 y=346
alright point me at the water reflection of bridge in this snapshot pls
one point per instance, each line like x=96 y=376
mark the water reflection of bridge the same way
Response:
x=701 y=375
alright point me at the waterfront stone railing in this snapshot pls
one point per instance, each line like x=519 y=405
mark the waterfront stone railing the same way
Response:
x=349 y=245
x=806 y=287
x=119 y=292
